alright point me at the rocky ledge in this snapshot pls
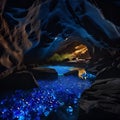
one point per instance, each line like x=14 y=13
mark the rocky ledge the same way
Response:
x=25 y=77
x=18 y=80
x=101 y=101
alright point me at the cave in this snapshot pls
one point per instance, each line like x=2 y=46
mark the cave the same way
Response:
x=70 y=51
x=59 y=60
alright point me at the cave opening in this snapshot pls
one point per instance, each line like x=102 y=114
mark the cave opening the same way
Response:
x=72 y=52
x=71 y=72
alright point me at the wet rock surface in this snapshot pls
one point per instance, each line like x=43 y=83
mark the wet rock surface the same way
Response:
x=59 y=20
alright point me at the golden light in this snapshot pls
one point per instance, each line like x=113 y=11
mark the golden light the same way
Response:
x=81 y=71
x=81 y=49
x=80 y=53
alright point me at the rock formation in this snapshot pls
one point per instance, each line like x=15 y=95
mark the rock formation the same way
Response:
x=55 y=21
x=32 y=28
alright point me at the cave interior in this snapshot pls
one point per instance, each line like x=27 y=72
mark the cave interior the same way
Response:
x=59 y=60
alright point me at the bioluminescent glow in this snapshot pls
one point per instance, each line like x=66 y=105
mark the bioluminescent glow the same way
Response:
x=61 y=69
x=39 y=102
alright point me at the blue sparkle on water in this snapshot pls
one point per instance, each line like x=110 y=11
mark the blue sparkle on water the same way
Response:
x=60 y=69
x=37 y=102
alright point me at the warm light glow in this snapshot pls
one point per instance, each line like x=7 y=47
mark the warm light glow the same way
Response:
x=79 y=50
x=81 y=71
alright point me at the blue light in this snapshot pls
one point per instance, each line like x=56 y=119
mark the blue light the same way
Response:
x=61 y=69
x=46 y=113
x=88 y=76
x=69 y=110
x=66 y=90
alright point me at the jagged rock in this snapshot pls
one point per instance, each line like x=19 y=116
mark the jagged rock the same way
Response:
x=110 y=12
x=72 y=72
x=64 y=18
x=101 y=101
x=105 y=67
x=44 y=73
x=110 y=69
x=18 y=80
x=81 y=73
x=109 y=72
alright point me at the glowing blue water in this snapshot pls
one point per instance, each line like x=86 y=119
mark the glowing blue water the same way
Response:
x=60 y=69
x=39 y=102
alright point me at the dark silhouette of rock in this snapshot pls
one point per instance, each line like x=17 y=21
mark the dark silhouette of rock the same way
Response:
x=72 y=72
x=44 y=73
x=2 y=5
x=101 y=101
x=110 y=12
x=108 y=67
x=24 y=77
x=18 y=80
x=60 y=18
x=108 y=72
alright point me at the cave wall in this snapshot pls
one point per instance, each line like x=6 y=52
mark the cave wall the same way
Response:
x=36 y=28
x=19 y=31
x=80 y=19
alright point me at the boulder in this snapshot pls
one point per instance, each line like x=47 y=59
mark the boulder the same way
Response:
x=44 y=73
x=103 y=68
x=108 y=72
x=101 y=101
x=18 y=80
x=72 y=72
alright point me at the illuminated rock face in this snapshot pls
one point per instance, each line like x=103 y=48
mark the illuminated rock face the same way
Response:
x=20 y=38
x=25 y=16
x=79 y=51
x=72 y=50
x=10 y=52
x=59 y=20
x=19 y=32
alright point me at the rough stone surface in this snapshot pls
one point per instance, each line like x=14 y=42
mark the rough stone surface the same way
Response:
x=101 y=101
x=59 y=20
x=72 y=72
x=18 y=80
x=105 y=67
x=44 y=73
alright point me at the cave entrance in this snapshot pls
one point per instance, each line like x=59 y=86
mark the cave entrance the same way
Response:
x=71 y=51
x=80 y=53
